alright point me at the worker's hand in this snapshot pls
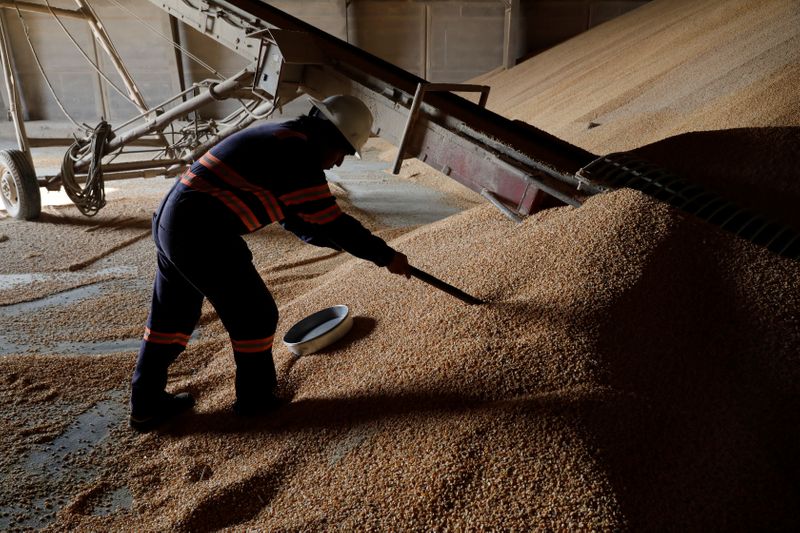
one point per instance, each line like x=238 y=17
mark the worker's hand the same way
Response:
x=399 y=265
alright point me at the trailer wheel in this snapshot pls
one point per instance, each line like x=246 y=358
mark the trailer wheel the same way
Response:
x=18 y=185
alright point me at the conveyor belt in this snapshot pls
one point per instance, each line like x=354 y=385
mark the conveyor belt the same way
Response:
x=625 y=170
x=517 y=166
x=518 y=135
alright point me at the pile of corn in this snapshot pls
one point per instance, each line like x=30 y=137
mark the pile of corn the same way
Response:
x=631 y=368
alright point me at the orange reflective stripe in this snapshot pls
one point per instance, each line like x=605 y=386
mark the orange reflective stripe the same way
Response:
x=165 y=338
x=271 y=205
x=329 y=214
x=233 y=202
x=300 y=196
x=233 y=178
x=253 y=345
x=222 y=170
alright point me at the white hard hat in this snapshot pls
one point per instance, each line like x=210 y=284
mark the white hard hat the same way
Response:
x=350 y=115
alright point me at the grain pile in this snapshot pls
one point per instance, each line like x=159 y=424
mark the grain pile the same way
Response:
x=754 y=167
x=633 y=368
x=669 y=67
x=63 y=249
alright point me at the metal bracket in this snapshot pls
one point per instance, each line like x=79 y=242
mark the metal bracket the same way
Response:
x=282 y=58
x=419 y=97
x=495 y=201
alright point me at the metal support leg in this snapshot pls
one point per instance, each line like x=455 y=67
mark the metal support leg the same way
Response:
x=419 y=96
x=105 y=42
x=510 y=33
x=174 y=26
x=13 y=93
x=486 y=193
x=103 y=109
x=412 y=117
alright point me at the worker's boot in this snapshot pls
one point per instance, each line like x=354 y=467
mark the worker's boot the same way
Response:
x=255 y=384
x=150 y=403
x=166 y=407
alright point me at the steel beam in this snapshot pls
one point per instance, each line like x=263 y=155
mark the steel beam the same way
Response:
x=155 y=125
x=220 y=21
x=102 y=37
x=38 y=8
x=510 y=33
x=12 y=89
x=419 y=97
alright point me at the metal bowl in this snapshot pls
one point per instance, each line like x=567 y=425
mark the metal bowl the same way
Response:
x=319 y=330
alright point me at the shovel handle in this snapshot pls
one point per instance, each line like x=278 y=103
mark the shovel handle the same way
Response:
x=443 y=286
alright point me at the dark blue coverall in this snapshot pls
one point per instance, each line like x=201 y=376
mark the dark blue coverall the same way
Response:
x=264 y=174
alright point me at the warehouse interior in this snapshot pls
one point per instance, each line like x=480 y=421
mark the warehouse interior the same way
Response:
x=614 y=180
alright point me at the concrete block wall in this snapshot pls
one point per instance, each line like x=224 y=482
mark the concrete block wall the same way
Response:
x=439 y=40
x=549 y=22
x=464 y=40
x=328 y=15
x=392 y=30
x=76 y=83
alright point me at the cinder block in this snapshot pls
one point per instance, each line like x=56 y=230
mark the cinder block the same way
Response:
x=327 y=15
x=394 y=31
x=464 y=40
x=76 y=90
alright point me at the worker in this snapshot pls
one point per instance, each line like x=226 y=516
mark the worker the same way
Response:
x=263 y=174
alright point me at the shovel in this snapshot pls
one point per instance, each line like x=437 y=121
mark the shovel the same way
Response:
x=444 y=286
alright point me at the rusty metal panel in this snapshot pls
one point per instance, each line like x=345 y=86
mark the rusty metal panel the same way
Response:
x=453 y=155
x=471 y=166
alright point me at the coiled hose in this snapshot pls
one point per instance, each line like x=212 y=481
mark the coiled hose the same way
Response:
x=91 y=197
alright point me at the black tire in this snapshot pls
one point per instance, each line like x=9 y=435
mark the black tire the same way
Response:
x=19 y=188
